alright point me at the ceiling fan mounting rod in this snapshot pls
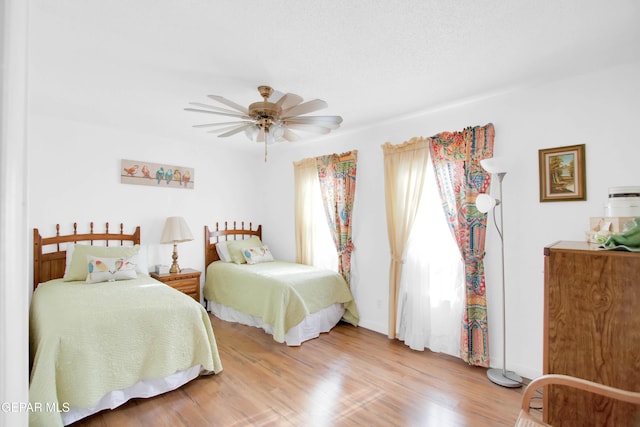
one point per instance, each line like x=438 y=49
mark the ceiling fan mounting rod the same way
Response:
x=265 y=92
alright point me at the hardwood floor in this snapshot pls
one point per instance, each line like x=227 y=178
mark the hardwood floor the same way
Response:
x=348 y=377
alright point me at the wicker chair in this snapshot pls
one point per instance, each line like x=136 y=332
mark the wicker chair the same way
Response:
x=526 y=420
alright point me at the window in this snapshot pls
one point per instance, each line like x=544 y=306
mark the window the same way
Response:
x=324 y=249
x=432 y=284
x=314 y=244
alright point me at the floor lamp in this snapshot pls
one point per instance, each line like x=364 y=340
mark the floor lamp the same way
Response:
x=485 y=203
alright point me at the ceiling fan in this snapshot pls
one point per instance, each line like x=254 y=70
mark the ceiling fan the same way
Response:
x=269 y=121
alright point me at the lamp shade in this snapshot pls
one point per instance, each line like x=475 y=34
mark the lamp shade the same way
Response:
x=484 y=202
x=176 y=230
x=495 y=165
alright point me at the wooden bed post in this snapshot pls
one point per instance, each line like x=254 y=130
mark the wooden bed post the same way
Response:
x=37 y=250
x=136 y=235
x=206 y=246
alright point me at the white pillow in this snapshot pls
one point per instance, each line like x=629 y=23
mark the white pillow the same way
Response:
x=109 y=269
x=223 y=251
x=69 y=256
x=257 y=255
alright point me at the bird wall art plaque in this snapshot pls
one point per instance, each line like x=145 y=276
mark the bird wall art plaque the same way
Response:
x=156 y=174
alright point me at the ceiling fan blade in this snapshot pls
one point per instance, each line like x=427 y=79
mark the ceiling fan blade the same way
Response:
x=221 y=123
x=304 y=108
x=212 y=108
x=225 y=129
x=276 y=95
x=241 y=116
x=289 y=100
x=228 y=103
x=331 y=122
x=309 y=128
x=290 y=136
x=232 y=130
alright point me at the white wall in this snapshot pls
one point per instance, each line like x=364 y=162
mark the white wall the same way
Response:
x=596 y=109
x=74 y=176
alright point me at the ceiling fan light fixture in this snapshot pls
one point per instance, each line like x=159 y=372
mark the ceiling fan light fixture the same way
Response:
x=277 y=131
x=251 y=132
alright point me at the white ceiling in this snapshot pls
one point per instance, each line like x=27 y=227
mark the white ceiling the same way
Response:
x=135 y=64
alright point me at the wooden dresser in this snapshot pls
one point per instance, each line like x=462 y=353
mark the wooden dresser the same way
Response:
x=591 y=331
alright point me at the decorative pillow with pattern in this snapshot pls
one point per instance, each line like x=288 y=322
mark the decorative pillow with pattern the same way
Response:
x=78 y=266
x=236 y=247
x=109 y=269
x=141 y=265
x=257 y=255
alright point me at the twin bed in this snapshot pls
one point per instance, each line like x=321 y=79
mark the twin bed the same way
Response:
x=245 y=284
x=102 y=331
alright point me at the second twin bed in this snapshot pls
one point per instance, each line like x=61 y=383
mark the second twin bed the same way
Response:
x=293 y=302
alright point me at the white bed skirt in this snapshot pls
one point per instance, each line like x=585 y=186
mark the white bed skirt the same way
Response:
x=145 y=388
x=310 y=327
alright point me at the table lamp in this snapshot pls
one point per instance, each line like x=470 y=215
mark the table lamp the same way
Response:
x=175 y=231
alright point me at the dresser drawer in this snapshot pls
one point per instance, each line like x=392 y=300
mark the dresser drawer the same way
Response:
x=187 y=281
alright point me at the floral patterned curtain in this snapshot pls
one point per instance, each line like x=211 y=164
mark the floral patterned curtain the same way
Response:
x=456 y=160
x=337 y=174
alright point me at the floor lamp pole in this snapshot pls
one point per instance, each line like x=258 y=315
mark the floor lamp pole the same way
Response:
x=502 y=376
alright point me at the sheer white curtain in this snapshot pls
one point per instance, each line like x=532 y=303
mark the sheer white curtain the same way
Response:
x=404 y=169
x=430 y=303
x=314 y=245
x=304 y=173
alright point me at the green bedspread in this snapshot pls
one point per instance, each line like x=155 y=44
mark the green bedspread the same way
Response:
x=279 y=292
x=89 y=339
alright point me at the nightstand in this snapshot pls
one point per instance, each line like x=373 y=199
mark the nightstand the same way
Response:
x=187 y=281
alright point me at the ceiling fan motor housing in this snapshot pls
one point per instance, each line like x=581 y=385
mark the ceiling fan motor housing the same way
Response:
x=265 y=113
x=265 y=109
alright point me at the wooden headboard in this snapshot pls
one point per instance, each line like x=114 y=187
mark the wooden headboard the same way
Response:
x=211 y=237
x=51 y=264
